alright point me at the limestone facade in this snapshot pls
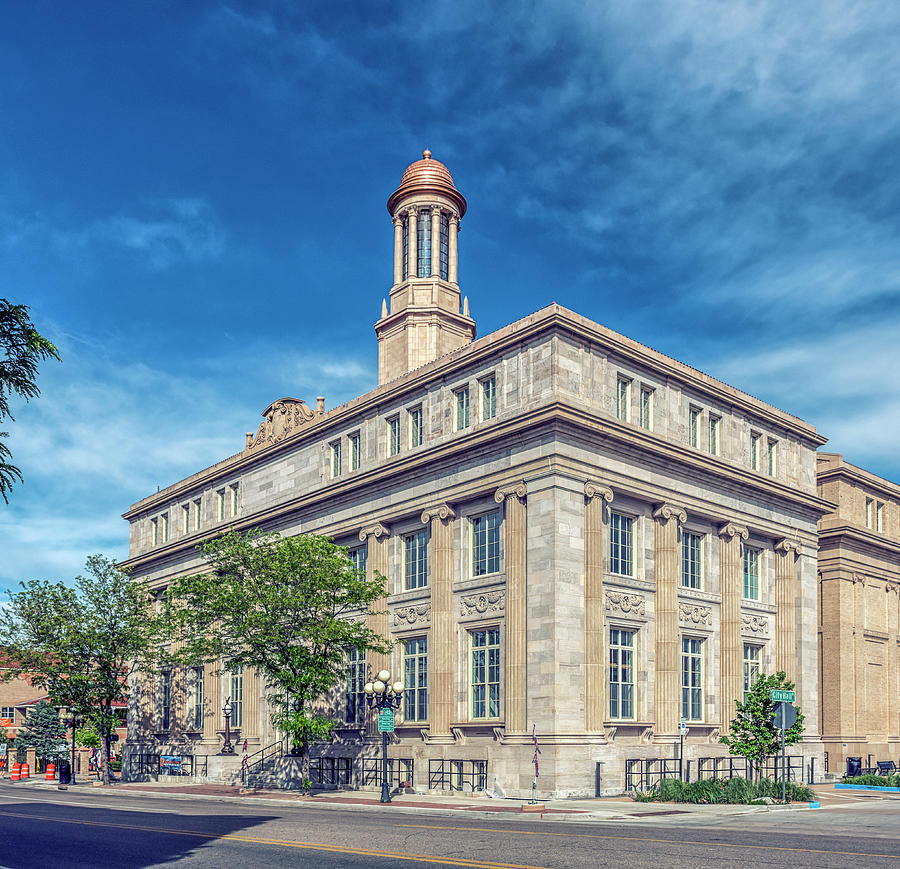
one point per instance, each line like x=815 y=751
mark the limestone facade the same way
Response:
x=859 y=614
x=611 y=537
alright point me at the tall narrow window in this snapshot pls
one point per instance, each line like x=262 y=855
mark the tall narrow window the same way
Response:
x=772 y=458
x=621 y=673
x=415 y=679
x=692 y=679
x=485 y=661
x=405 y=247
x=415 y=559
x=714 y=434
x=154 y=531
x=621 y=544
x=646 y=408
x=359 y=557
x=462 y=408
x=751 y=573
x=424 y=243
x=755 y=440
x=751 y=666
x=185 y=518
x=165 y=700
x=336 y=459
x=164 y=527
x=393 y=435
x=196 y=509
x=220 y=505
x=691 y=560
x=415 y=427
x=354 y=451
x=445 y=245
x=196 y=710
x=354 y=695
x=623 y=399
x=694 y=427
x=237 y=695
x=486 y=544
x=870 y=509
x=879 y=517
x=488 y=397
x=233 y=493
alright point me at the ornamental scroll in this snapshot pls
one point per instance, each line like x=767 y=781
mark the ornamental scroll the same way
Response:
x=281 y=419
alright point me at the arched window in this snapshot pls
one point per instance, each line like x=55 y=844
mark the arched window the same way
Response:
x=424 y=244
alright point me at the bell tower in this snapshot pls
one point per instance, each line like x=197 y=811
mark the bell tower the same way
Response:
x=423 y=320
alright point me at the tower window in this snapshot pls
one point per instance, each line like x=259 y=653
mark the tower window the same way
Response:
x=445 y=246
x=424 y=244
x=405 y=247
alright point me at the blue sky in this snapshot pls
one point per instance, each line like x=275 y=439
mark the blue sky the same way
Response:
x=192 y=202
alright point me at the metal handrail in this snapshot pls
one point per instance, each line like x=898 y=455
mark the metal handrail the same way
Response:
x=275 y=749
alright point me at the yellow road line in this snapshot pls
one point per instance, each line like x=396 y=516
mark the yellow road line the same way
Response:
x=646 y=839
x=314 y=846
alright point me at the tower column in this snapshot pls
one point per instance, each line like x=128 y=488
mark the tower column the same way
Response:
x=731 y=537
x=594 y=624
x=398 y=249
x=435 y=241
x=413 y=243
x=786 y=552
x=452 y=258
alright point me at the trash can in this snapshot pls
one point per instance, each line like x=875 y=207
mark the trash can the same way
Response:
x=65 y=772
x=854 y=766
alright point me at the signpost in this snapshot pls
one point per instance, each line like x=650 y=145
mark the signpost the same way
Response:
x=682 y=729
x=385 y=720
x=785 y=718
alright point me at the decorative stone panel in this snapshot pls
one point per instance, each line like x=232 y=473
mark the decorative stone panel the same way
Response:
x=415 y=614
x=627 y=604
x=694 y=614
x=481 y=604
x=755 y=624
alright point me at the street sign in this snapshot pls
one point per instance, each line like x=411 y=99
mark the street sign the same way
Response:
x=683 y=726
x=385 y=720
x=785 y=716
x=779 y=696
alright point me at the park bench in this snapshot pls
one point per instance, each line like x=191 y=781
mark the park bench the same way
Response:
x=886 y=767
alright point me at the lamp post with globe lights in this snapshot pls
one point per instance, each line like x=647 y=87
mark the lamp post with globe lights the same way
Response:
x=385 y=697
x=227 y=748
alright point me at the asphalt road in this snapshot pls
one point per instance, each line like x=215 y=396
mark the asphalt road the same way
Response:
x=48 y=829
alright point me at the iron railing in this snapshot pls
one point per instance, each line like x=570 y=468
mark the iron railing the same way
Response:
x=331 y=770
x=257 y=761
x=455 y=775
x=643 y=773
x=400 y=770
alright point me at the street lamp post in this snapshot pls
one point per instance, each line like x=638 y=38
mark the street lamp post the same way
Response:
x=382 y=695
x=227 y=748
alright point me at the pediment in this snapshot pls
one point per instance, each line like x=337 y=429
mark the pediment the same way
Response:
x=281 y=419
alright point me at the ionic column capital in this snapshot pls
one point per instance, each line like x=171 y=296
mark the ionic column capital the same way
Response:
x=512 y=490
x=378 y=530
x=858 y=578
x=444 y=512
x=593 y=490
x=731 y=530
x=665 y=512
x=786 y=547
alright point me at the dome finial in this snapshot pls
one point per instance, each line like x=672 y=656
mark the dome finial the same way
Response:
x=426 y=154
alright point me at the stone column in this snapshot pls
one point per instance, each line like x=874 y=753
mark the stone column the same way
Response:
x=893 y=660
x=595 y=711
x=668 y=654
x=516 y=676
x=398 y=249
x=786 y=552
x=377 y=619
x=435 y=241
x=730 y=582
x=452 y=258
x=250 y=724
x=441 y=646
x=212 y=703
x=413 y=244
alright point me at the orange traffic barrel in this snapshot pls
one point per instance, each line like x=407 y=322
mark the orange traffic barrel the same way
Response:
x=26 y=771
x=51 y=772
x=16 y=772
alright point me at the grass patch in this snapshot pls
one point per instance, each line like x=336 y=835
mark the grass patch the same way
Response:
x=735 y=791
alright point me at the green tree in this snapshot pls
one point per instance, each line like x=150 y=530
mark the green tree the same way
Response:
x=87 y=737
x=21 y=348
x=42 y=731
x=280 y=606
x=81 y=643
x=752 y=733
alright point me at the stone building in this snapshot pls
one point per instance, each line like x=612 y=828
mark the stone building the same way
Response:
x=859 y=614
x=582 y=536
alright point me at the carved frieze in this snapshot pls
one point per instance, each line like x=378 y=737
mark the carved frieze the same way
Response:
x=627 y=604
x=479 y=604
x=695 y=614
x=755 y=624
x=281 y=419
x=415 y=614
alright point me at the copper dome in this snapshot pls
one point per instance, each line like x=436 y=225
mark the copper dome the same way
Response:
x=427 y=176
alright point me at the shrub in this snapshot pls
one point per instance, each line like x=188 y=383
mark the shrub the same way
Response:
x=885 y=781
x=736 y=791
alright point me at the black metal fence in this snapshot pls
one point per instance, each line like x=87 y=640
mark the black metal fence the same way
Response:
x=643 y=773
x=400 y=770
x=330 y=770
x=157 y=765
x=457 y=775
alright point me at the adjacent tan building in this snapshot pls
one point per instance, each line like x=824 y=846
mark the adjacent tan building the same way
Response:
x=859 y=614
x=582 y=536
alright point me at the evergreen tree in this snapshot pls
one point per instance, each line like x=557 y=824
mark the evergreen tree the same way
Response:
x=43 y=731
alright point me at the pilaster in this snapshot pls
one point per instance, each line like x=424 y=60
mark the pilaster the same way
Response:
x=413 y=245
x=453 y=236
x=786 y=552
x=398 y=249
x=731 y=537
x=376 y=536
x=435 y=241
x=596 y=495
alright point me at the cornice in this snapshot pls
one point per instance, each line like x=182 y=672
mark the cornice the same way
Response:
x=852 y=473
x=861 y=537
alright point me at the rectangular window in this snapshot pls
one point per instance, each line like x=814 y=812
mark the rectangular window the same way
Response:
x=393 y=425
x=405 y=247
x=196 y=710
x=488 y=397
x=621 y=673
x=336 y=459
x=165 y=700
x=714 y=434
x=415 y=560
x=7 y=712
x=870 y=509
x=359 y=557
x=154 y=532
x=691 y=560
x=772 y=458
x=691 y=679
x=196 y=510
x=220 y=505
x=879 y=517
x=751 y=573
x=415 y=679
x=354 y=451
x=623 y=399
x=424 y=244
x=485 y=660
x=185 y=518
x=621 y=544
x=415 y=427
x=237 y=695
x=355 y=696
x=694 y=427
x=164 y=527
x=486 y=544
x=752 y=656
x=646 y=408
x=462 y=408
x=754 y=451
x=445 y=245
x=233 y=499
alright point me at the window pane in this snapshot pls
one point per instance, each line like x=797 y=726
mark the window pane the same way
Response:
x=445 y=245
x=751 y=573
x=355 y=703
x=691 y=559
x=416 y=559
x=488 y=398
x=405 y=248
x=462 y=409
x=621 y=544
x=415 y=678
x=486 y=544
x=485 y=673
x=424 y=244
x=621 y=673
